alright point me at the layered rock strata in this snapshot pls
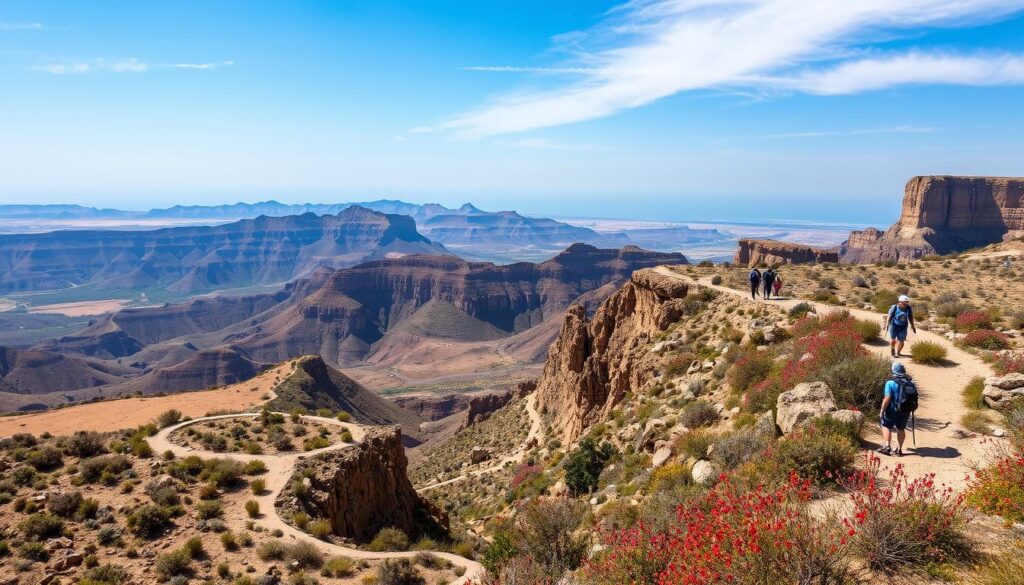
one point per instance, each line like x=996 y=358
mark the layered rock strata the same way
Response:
x=751 y=252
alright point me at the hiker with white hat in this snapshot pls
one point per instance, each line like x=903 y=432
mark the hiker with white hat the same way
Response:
x=897 y=322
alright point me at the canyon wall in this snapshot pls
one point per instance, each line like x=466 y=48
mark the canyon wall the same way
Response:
x=943 y=215
x=753 y=252
x=593 y=363
x=364 y=488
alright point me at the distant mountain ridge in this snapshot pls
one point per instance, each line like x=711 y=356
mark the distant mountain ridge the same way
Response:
x=197 y=259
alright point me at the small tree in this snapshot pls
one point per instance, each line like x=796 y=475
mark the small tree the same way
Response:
x=585 y=465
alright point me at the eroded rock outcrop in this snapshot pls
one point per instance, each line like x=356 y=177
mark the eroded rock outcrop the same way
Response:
x=752 y=252
x=1003 y=391
x=942 y=215
x=592 y=363
x=364 y=488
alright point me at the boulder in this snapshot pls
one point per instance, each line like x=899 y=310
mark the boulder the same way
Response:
x=704 y=473
x=850 y=417
x=479 y=455
x=1000 y=391
x=765 y=425
x=807 y=401
x=661 y=456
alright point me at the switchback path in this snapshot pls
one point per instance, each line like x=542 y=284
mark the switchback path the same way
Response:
x=940 y=449
x=279 y=471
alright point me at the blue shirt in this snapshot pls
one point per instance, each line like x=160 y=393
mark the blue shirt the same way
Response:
x=892 y=391
x=900 y=317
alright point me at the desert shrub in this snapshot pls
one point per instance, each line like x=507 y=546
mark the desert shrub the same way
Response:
x=306 y=554
x=225 y=473
x=172 y=564
x=103 y=467
x=44 y=458
x=23 y=440
x=148 y=520
x=207 y=509
x=857 y=381
x=271 y=550
x=209 y=491
x=85 y=444
x=867 y=330
x=695 y=443
x=752 y=367
x=194 y=546
x=346 y=436
x=972 y=320
x=799 y=310
x=545 y=536
x=301 y=520
x=817 y=454
x=228 y=540
x=584 y=465
x=168 y=418
x=883 y=299
x=24 y=475
x=254 y=467
x=698 y=414
x=280 y=440
x=737 y=448
x=859 y=281
x=315 y=443
x=927 y=352
x=320 y=529
x=108 y=535
x=344 y=416
x=389 y=539
x=1004 y=569
x=985 y=339
x=41 y=526
x=976 y=421
x=106 y=575
x=252 y=508
x=906 y=524
x=398 y=572
x=972 y=392
x=64 y=504
x=339 y=567
x=33 y=551
x=999 y=489
x=753 y=536
x=1010 y=364
x=716 y=280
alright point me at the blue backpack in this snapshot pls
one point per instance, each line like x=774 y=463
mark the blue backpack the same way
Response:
x=900 y=317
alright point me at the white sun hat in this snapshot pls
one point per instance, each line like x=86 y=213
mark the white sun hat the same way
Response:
x=904 y=299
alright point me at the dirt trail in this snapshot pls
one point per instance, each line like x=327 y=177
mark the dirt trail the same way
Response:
x=279 y=472
x=939 y=450
x=535 y=436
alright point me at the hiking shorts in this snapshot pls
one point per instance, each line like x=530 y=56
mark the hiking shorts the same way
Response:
x=897 y=333
x=895 y=420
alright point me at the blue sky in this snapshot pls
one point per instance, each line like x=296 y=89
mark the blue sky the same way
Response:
x=661 y=109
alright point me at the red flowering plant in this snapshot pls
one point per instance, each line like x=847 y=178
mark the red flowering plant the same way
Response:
x=900 y=524
x=972 y=320
x=732 y=535
x=986 y=339
x=999 y=489
x=1010 y=364
x=836 y=342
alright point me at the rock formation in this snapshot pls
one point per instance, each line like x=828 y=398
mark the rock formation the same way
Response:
x=364 y=488
x=592 y=363
x=942 y=215
x=1003 y=391
x=805 y=402
x=751 y=252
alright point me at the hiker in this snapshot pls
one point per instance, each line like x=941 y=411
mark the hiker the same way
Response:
x=777 y=286
x=897 y=321
x=755 y=281
x=769 y=281
x=898 y=406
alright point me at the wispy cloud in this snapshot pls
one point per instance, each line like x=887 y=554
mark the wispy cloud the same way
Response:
x=131 y=65
x=20 y=26
x=646 y=50
x=901 y=129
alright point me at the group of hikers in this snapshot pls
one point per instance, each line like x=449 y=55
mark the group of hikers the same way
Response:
x=769 y=282
x=899 y=395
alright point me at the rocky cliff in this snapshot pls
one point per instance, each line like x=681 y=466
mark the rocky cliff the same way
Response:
x=751 y=252
x=188 y=260
x=364 y=488
x=942 y=215
x=593 y=363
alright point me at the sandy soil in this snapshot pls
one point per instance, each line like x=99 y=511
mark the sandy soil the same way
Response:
x=939 y=450
x=81 y=308
x=113 y=415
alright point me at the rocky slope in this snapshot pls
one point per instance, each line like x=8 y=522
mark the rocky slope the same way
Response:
x=751 y=252
x=364 y=488
x=941 y=215
x=591 y=365
x=196 y=259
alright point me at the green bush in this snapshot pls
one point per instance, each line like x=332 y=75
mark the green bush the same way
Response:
x=869 y=331
x=751 y=367
x=252 y=508
x=172 y=564
x=857 y=381
x=207 y=509
x=389 y=539
x=103 y=467
x=254 y=467
x=257 y=486
x=695 y=443
x=320 y=529
x=44 y=458
x=927 y=352
x=106 y=575
x=271 y=550
x=85 y=444
x=698 y=414
x=339 y=567
x=973 y=397
x=584 y=466
x=398 y=572
x=64 y=504
x=41 y=526
x=148 y=520
x=799 y=310
x=820 y=456
x=737 y=448
x=305 y=554
x=315 y=443
x=168 y=418
x=33 y=551
x=883 y=300
x=976 y=421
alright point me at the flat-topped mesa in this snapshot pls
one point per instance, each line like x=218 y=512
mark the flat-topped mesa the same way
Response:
x=592 y=363
x=943 y=215
x=364 y=488
x=753 y=252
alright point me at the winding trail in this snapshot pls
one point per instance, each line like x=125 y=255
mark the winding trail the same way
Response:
x=940 y=449
x=279 y=471
x=534 y=437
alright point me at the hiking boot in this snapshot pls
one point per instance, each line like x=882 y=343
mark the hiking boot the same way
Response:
x=884 y=450
x=892 y=351
x=898 y=452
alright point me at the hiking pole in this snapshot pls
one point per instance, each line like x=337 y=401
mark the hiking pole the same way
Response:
x=913 y=428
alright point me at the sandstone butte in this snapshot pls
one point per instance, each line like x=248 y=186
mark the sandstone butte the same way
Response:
x=942 y=215
x=753 y=252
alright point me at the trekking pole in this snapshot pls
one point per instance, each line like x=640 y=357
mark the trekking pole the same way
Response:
x=913 y=427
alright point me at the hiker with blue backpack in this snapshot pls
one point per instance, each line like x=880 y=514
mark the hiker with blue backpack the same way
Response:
x=899 y=319
x=898 y=406
x=755 y=282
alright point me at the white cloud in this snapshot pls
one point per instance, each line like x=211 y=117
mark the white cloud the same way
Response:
x=131 y=65
x=646 y=50
x=901 y=129
x=20 y=26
